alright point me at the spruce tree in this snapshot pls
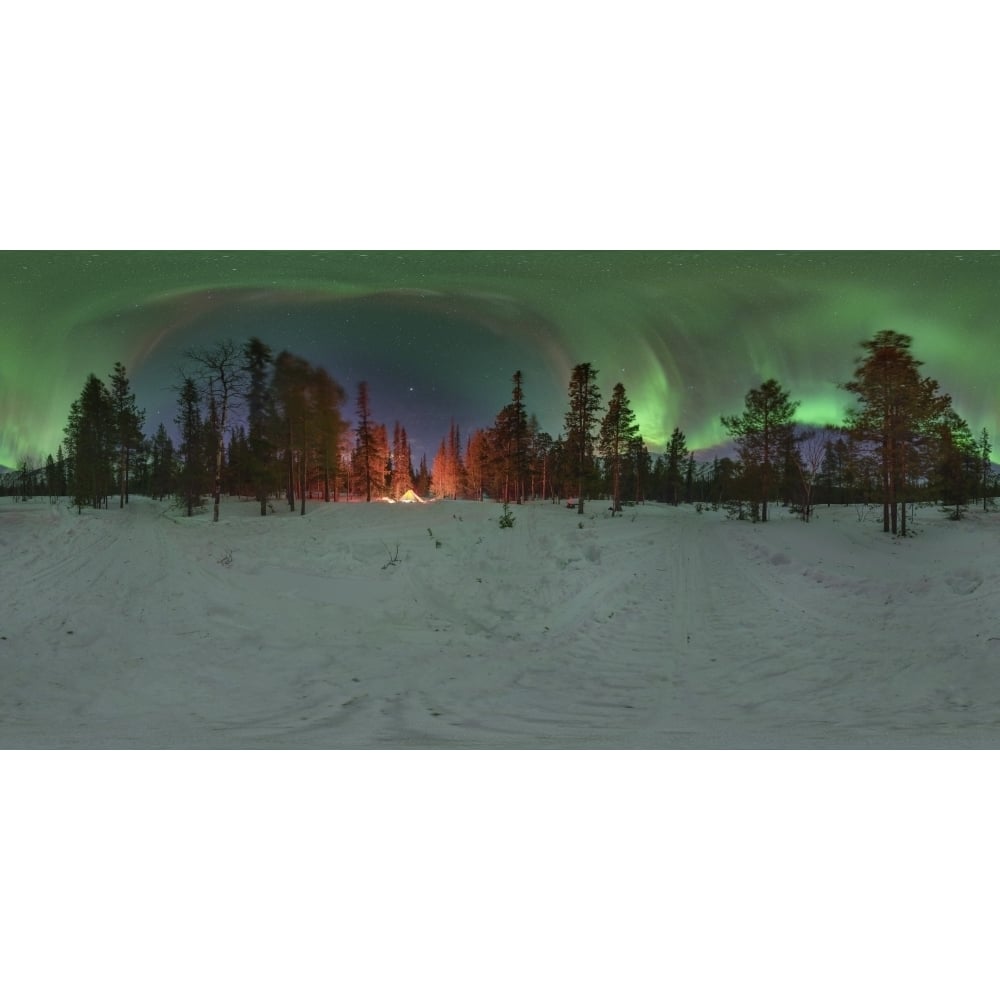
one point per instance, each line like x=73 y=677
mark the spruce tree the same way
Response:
x=90 y=441
x=161 y=472
x=985 y=466
x=618 y=431
x=582 y=415
x=422 y=482
x=402 y=471
x=365 y=441
x=50 y=476
x=128 y=421
x=476 y=461
x=257 y=360
x=328 y=398
x=519 y=437
x=674 y=476
x=192 y=452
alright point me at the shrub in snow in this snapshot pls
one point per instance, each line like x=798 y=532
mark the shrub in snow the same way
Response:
x=506 y=518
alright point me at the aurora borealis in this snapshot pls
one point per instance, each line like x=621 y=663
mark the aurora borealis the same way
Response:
x=438 y=334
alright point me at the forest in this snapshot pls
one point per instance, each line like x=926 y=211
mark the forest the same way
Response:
x=271 y=427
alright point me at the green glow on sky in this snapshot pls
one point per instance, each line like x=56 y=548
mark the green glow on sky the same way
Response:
x=441 y=333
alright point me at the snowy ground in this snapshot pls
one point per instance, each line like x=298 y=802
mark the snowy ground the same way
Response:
x=664 y=628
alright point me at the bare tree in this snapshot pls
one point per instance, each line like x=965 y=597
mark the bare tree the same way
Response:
x=222 y=373
x=809 y=462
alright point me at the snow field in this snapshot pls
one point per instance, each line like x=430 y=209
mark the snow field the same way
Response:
x=391 y=625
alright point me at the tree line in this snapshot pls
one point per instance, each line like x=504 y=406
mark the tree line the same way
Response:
x=270 y=426
x=901 y=442
x=253 y=423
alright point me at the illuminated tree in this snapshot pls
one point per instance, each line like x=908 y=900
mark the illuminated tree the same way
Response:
x=400 y=462
x=477 y=455
x=761 y=433
x=584 y=407
x=448 y=473
x=257 y=360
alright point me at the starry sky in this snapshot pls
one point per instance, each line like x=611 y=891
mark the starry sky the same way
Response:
x=438 y=334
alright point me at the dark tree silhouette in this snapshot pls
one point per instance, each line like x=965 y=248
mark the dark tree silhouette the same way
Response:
x=582 y=415
x=761 y=432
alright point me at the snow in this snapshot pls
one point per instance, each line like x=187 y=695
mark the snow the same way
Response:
x=427 y=625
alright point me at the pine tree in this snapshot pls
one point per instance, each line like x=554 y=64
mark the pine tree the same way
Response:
x=257 y=361
x=674 y=477
x=161 y=473
x=62 y=473
x=538 y=458
x=761 y=433
x=896 y=408
x=328 y=398
x=402 y=472
x=448 y=473
x=985 y=466
x=689 y=478
x=618 y=431
x=365 y=446
x=297 y=418
x=477 y=453
x=584 y=407
x=455 y=464
x=957 y=461
x=90 y=441
x=519 y=438
x=422 y=482
x=382 y=457
x=502 y=458
x=192 y=453
x=50 y=476
x=128 y=421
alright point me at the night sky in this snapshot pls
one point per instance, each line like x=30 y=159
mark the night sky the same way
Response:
x=438 y=334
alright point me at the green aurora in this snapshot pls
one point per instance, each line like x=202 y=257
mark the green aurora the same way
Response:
x=438 y=334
